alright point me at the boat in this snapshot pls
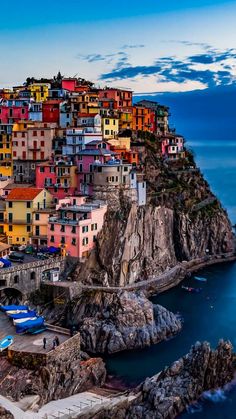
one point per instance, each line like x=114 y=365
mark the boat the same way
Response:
x=23 y=315
x=29 y=324
x=6 y=342
x=192 y=290
x=200 y=278
x=13 y=307
x=18 y=321
x=9 y=312
x=36 y=331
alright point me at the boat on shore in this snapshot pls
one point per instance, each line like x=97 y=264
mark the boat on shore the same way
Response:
x=6 y=342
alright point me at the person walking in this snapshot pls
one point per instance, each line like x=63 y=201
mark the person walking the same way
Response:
x=57 y=340
x=44 y=342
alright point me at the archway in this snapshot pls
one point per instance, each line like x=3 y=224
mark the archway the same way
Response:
x=10 y=296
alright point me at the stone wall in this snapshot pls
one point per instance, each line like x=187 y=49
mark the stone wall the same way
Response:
x=70 y=349
x=26 y=277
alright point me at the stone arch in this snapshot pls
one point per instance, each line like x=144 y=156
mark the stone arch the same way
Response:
x=11 y=295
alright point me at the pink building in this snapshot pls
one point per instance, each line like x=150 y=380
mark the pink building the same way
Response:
x=96 y=152
x=75 y=226
x=60 y=178
x=172 y=146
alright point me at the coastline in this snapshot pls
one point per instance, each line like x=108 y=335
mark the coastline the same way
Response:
x=169 y=278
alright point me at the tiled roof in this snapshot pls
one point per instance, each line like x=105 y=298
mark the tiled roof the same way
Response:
x=23 y=194
x=96 y=152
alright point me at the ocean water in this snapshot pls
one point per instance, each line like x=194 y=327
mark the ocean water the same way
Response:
x=209 y=315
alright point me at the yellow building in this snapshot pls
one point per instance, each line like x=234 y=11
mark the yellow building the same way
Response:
x=110 y=127
x=40 y=226
x=6 y=166
x=21 y=204
x=86 y=103
x=39 y=91
x=125 y=119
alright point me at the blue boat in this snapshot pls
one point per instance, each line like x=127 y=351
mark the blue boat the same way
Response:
x=200 y=278
x=30 y=324
x=23 y=315
x=6 y=342
x=6 y=263
x=13 y=308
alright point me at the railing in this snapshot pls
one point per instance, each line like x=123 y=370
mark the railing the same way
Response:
x=63 y=221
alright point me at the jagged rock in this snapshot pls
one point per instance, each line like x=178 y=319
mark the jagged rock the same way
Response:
x=116 y=322
x=167 y=394
x=182 y=219
x=5 y=414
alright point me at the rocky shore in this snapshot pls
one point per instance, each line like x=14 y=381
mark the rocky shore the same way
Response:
x=116 y=322
x=169 y=392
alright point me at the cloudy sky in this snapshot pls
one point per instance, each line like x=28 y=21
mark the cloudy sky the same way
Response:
x=150 y=46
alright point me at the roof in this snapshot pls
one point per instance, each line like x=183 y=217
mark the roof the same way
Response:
x=17 y=185
x=23 y=194
x=87 y=115
x=96 y=152
x=4 y=246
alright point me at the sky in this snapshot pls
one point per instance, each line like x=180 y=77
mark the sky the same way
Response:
x=149 y=46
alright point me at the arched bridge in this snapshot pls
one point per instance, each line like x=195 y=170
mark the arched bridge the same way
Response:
x=27 y=277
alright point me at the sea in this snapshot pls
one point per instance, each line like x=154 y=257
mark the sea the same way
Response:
x=209 y=315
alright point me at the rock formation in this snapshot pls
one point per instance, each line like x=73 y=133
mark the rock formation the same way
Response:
x=182 y=220
x=122 y=321
x=167 y=394
x=5 y=414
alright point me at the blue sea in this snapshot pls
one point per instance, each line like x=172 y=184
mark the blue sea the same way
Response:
x=210 y=315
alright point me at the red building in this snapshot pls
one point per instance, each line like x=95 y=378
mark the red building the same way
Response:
x=123 y=98
x=51 y=111
x=76 y=85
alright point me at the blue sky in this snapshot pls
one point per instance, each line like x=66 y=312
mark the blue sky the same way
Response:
x=150 y=46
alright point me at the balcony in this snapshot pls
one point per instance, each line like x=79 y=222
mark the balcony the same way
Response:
x=31 y=148
x=18 y=222
x=63 y=221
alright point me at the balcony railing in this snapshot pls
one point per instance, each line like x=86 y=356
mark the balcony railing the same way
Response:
x=63 y=221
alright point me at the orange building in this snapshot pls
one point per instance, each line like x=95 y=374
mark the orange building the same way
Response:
x=142 y=119
x=128 y=156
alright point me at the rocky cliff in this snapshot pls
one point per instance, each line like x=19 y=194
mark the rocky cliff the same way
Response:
x=114 y=322
x=168 y=393
x=182 y=220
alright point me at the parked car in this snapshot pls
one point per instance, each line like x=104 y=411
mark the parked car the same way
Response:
x=16 y=257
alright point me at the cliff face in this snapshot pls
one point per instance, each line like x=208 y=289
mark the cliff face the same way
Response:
x=116 y=322
x=168 y=393
x=182 y=220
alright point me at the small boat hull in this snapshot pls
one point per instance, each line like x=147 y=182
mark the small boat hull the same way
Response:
x=6 y=342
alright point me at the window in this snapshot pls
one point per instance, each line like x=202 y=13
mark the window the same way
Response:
x=10 y=204
x=10 y=228
x=16 y=277
x=35 y=133
x=52 y=169
x=41 y=169
x=37 y=217
x=52 y=239
x=37 y=231
x=28 y=218
x=85 y=241
x=107 y=121
x=42 y=133
x=28 y=204
x=42 y=143
x=32 y=275
x=42 y=155
x=73 y=241
x=28 y=229
x=125 y=169
x=94 y=238
x=63 y=240
x=94 y=227
x=10 y=217
x=14 y=153
x=84 y=229
x=107 y=132
x=52 y=227
x=63 y=229
x=23 y=143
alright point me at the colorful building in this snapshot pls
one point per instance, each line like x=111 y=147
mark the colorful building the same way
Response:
x=77 y=138
x=39 y=91
x=142 y=119
x=6 y=166
x=60 y=178
x=40 y=226
x=122 y=97
x=172 y=147
x=110 y=127
x=51 y=111
x=75 y=226
x=13 y=111
x=20 y=206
